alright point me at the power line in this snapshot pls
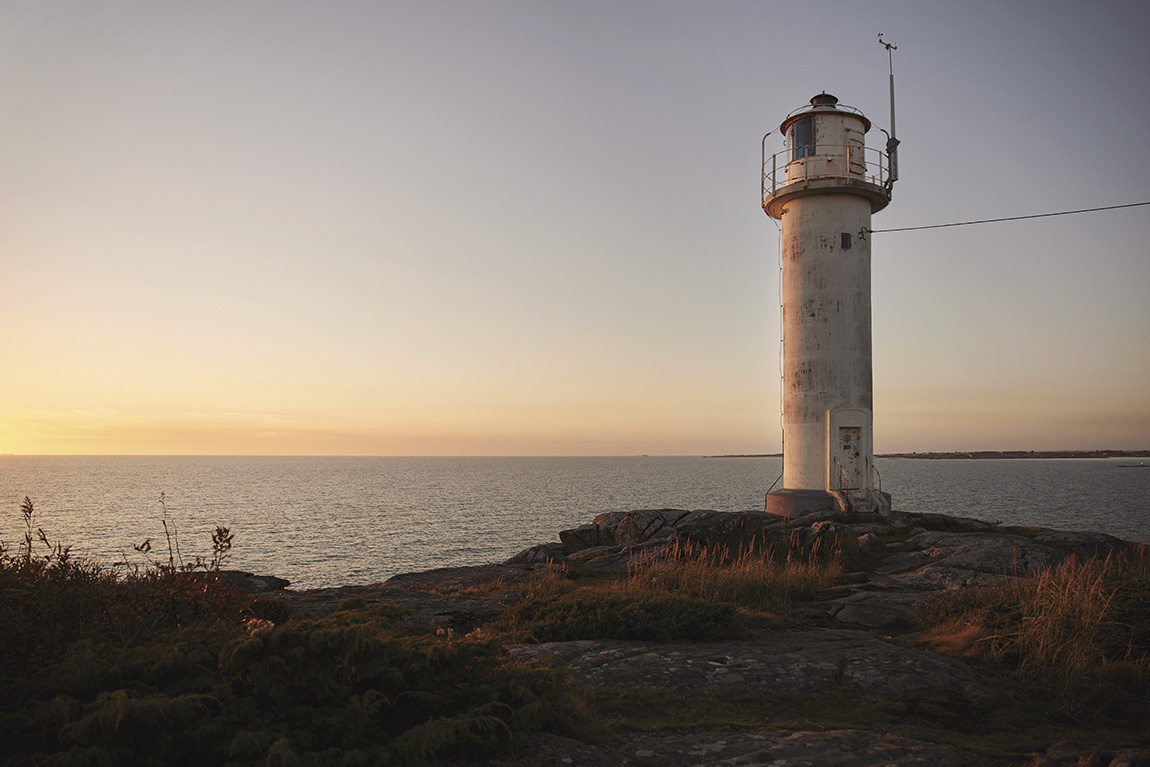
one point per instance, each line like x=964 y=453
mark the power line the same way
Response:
x=1011 y=218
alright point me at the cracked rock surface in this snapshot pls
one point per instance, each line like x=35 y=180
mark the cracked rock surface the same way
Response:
x=791 y=661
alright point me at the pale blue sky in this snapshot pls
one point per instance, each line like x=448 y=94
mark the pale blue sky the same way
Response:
x=533 y=227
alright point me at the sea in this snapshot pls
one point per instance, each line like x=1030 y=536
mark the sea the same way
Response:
x=325 y=521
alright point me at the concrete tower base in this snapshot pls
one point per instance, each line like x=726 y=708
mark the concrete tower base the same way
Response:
x=792 y=503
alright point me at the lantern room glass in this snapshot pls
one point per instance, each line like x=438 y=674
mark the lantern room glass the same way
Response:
x=802 y=138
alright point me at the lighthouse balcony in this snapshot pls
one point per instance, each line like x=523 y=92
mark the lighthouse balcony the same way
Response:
x=849 y=169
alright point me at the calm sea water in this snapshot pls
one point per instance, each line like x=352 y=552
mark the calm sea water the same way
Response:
x=335 y=521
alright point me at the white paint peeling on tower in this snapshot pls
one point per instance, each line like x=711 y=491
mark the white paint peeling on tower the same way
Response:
x=823 y=189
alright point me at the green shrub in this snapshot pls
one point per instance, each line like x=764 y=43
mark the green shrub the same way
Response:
x=352 y=603
x=345 y=688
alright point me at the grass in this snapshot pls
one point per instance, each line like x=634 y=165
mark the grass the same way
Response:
x=705 y=594
x=1076 y=635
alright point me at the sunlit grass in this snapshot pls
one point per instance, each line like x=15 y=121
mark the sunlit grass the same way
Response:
x=1079 y=631
x=751 y=577
x=686 y=593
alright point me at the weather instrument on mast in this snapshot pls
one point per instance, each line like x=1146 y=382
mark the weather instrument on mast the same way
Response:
x=891 y=141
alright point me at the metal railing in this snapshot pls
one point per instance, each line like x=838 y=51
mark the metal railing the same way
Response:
x=871 y=467
x=870 y=471
x=843 y=484
x=850 y=161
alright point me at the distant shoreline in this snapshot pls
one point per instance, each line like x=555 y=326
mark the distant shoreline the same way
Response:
x=977 y=454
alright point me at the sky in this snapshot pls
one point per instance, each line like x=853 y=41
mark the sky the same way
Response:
x=517 y=227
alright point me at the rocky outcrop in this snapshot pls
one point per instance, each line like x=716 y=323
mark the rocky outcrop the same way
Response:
x=911 y=559
x=241 y=580
x=916 y=556
x=542 y=555
x=900 y=563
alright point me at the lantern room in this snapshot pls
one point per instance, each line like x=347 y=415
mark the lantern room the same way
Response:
x=825 y=152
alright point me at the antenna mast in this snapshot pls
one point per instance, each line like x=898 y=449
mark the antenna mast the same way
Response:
x=891 y=141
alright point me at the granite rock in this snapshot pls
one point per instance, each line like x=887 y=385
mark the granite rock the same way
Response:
x=794 y=661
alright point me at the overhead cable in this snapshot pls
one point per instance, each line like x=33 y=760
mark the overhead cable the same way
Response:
x=1011 y=218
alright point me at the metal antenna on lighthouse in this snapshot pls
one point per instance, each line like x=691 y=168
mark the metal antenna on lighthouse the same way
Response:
x=891 y=141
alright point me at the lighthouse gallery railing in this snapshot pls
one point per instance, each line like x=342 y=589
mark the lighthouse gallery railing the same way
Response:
x=850 y=161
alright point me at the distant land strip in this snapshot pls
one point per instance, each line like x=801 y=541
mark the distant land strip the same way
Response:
x=1025 y=454
x=989 y=454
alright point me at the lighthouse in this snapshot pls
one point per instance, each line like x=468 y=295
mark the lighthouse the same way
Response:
x=823 y=188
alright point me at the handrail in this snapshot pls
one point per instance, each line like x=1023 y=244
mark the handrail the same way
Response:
x=763 y=187
x=843 y=485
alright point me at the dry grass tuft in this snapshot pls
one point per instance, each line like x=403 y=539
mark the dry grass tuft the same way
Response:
x=750 y=577
x=1081 y=629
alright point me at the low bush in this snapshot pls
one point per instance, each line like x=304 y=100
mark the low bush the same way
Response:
x=51 y=599
x=348 y=689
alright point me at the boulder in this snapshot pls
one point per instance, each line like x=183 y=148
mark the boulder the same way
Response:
x=639 y=526
x=731 y=529
x=242 y=580
x=824 y=538
x=627 y=556
x=544 y=554
x=585 y=537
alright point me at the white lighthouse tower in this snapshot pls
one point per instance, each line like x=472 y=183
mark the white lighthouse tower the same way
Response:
x=823 y=188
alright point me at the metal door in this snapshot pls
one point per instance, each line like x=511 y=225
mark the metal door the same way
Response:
x=849 y=453
x=856 y=161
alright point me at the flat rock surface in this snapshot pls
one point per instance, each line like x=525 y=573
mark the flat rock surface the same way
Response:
x=875 y=609
x=795 y=661
x=458 y=578
x=739 y=748
x=439 y=596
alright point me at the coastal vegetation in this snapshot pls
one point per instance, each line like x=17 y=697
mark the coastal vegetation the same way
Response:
x=173 y=663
